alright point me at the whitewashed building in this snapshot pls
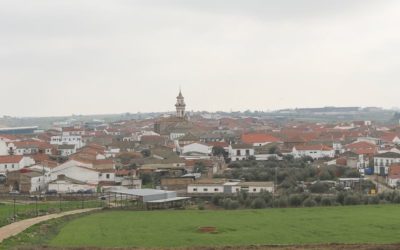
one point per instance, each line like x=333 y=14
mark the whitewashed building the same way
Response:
x=230 y=187
x=14 y=162
x=67 y=138
x=239 y=152
x=313 y=151
x=66 y=149
x=383 y=161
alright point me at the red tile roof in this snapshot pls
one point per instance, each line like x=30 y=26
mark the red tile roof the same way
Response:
x=361 y=145
x=32 y=144
x=10 y=159
x=258 y=138
x=9 y=137
x=313 y=147
x=388 y=137
x=364 y=151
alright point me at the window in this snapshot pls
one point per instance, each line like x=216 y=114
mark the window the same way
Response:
x=194 y=189
x=247 y=152
x=238 y=152
x=12 y=165
x=108 y=176
x=215 y=189
x=205 y=189
x=254 y=189
x=5 y=166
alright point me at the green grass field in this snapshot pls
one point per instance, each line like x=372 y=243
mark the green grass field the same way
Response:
x=352 y=224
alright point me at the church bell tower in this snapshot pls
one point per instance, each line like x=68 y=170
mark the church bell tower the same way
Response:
x=180 y=105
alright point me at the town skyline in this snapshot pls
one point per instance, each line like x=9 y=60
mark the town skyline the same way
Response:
x=188 y=111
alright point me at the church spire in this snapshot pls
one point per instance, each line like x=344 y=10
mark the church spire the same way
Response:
x=180 y=105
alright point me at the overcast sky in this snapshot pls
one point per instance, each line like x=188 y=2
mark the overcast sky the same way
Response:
x=62 y=57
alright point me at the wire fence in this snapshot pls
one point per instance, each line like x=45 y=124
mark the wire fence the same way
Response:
x=19 y=207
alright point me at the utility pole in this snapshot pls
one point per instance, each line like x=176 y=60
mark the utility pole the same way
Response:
x=36 y=201
x=60 y=201
x=15 y=217
x=275 y=185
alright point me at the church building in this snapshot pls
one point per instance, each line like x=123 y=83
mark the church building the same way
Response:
x=175 y=126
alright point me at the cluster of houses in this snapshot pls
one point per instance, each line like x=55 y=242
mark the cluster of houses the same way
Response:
x=182 y=152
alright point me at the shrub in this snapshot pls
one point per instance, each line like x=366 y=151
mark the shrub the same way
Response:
x=226 y=203
x=234 y=205
x=216 y=200
x=351 y=200
x=281 y=202
x=373 y=200
x=258 y=203
x=309 y=202
x=340 y=198
x=396 y=198
x=326 y=201
x=247 y=202
x=295 y=200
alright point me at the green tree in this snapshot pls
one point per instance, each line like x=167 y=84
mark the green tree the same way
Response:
x=219 y=151
x=146 y=153
x=146 y=178
x=199 y=167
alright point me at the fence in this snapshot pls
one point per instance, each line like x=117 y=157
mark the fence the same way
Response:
x=18 y=207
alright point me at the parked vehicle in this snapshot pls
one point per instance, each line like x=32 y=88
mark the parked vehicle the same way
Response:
x=51 y=192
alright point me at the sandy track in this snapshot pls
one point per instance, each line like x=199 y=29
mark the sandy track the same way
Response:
x=20 y=226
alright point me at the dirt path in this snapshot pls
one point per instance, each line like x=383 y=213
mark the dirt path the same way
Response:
x=20 y=226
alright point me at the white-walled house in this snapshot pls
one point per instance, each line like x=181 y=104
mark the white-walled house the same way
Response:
x=38 y=182
x=30 y=147
x=205 y=188
x=4 y=150
x=175 y=135
x=67 y=138
x=64 y=184
x=256 y=187
x=230 y=188
x=383 y=161
x=77 y=172
x=66 y=149
x=14 y=162
x=314 y=151
x=82 y=172
x=111 y=152
x=239 y=152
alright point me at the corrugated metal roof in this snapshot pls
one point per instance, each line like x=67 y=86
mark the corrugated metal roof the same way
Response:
x=141 y=192
x=170 y=199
